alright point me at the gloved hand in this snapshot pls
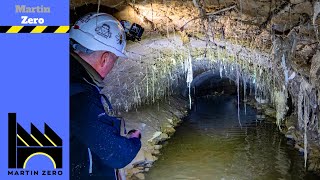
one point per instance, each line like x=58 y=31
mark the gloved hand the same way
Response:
x=134 y=133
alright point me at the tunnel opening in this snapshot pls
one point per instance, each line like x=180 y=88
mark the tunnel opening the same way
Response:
x=215 y=85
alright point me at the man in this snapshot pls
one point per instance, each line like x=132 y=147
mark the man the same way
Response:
x=97 y=148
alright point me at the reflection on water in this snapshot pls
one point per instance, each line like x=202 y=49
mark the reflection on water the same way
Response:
x=210 y=144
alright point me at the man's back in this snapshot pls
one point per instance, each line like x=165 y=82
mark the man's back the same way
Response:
x=96 y=145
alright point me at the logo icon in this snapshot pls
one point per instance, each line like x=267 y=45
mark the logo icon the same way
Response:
x=104 y=31
x=23 y=146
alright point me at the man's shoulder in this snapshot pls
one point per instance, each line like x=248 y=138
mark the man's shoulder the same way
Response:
x=78 y=88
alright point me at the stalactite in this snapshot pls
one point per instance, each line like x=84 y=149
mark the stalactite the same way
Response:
x=189 y=76
x=238 y=91
x=135 y=99
x=244 y=95
x=256 y=84
x=304 y=110
x=126 y=106
x=138 y=96
x=220 y=71
x=316 y=11
x=285 y=69
x=153 y=84
x=306 y=120
x=147 y=84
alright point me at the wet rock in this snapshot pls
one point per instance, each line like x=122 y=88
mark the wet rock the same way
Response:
x=139 y=159
x=156 y=152
x=280 y=105
x=299 y=148
x=155 y=138
x=291 y=136
x=314 y=159
x=259 y=116
x=137 y=170
x=312 y=166
x=171 y=121
x=314 y=152
x=157 y=147
x=291 y=132
x=251 y=102
x=315 y=70
x=300 y=8
x=258 y=107
x=133 y=171
x=174 y=121
x=164 y=137
x=149 y=165
x=261 y=100
x=149 y=157
x=138 y=164
x=140 y=168
x=168 y=129
x=149 y=147
x=158 y=137
x=155 y=158
x=270 y=112
x=140 y=176
x=296 y=1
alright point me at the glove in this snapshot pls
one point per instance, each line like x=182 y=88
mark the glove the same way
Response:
x=134 y=133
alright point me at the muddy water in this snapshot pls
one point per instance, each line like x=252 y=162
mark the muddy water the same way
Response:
x=213 y=144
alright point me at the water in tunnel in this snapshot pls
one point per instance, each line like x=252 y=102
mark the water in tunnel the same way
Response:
x=211 y=144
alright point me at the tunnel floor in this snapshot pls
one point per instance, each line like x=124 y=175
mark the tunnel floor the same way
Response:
x=211 y=144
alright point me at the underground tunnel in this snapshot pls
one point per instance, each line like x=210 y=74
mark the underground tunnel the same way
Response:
x=221 y=89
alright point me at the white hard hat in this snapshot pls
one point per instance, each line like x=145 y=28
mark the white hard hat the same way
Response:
x=100 y=32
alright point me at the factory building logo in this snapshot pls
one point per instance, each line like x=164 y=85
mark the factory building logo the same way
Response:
x=23 y=146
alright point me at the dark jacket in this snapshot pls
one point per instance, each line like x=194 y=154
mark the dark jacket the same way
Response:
x=95 y=142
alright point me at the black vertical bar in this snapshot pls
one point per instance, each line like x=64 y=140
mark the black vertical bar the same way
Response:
x=12 y=140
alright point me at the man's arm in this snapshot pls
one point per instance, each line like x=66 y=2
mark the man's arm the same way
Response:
x=99 y=133
x=114 y=150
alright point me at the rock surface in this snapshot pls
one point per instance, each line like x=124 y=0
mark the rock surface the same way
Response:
x=150 y=149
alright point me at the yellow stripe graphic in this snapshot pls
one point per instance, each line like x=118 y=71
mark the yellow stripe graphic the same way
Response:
x=23 y=140
x=38 y=29
x=50 y=140
x=14 y=29
x=62 y=29
x=36 y=140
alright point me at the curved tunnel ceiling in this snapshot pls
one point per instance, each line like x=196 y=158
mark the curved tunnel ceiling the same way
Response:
x=256 y=33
